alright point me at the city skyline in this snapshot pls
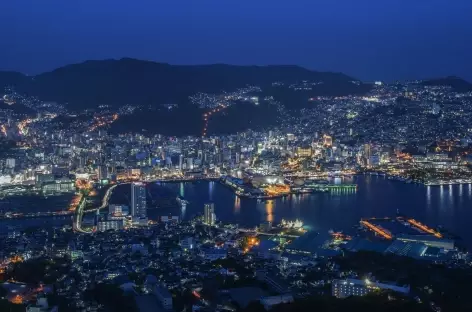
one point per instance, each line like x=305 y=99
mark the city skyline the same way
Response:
x=131 y=184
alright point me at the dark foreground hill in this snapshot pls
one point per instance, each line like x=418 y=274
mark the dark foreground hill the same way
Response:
x=130 y=81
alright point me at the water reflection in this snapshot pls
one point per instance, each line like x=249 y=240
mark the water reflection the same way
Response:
x=237 y=204
x=451 y=198
x=375 y=196
x=182 y=189
x=211 y=185
x=295 y=198
x=269 y=210
x=428 y=196
x=183 y=210
x=441 y=197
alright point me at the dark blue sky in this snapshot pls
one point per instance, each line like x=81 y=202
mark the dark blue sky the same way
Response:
x=368 y=39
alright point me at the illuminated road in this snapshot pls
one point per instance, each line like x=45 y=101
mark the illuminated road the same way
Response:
x=77 y=222
x=80 y=210
x=103 y=121
x=207 y=115
x=35 y=214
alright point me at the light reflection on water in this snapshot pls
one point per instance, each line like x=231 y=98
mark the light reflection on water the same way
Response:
x=448 y=206
x=237 y=204
x=269 y=210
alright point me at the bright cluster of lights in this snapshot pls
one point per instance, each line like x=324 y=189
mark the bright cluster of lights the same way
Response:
x=206 y=116
x=103 y=121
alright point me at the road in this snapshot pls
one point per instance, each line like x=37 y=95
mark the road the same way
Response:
x=79 y=212
x=35 y=214
x=77 y=221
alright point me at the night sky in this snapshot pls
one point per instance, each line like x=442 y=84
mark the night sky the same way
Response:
x=368 y=39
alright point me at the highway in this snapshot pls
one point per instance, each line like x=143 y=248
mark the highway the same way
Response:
x=79 y=212
x=77 y=221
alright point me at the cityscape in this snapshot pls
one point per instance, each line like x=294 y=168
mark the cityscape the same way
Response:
x=134 y=185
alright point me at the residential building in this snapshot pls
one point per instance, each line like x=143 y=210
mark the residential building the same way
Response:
x=138 y=200
x=209 y=216
x=355 y=287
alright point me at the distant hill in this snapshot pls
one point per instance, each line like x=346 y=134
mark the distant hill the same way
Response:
x=9 y=78
x=456 y=83
x=131 y=81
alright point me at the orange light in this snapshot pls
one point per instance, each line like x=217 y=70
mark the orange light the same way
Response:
x=377 y=229
x=424 y=228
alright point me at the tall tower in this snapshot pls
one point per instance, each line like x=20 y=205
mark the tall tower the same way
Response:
x=367 y=151
x=209 y=217
x=181 y=161
x=138 y=200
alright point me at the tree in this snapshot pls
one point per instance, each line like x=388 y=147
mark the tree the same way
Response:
x=254 y=306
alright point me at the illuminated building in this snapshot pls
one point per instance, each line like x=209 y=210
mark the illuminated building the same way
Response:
x=265 y=226
x=209 y=216
x=181 y=161
x=10 y=163
x=59 y=186
x=102 y=172
x=103 y=226
x=354 y=287
x=118 y=210
x=367 y=151
x=304 y=152
x=327 y=141
x=138 y=200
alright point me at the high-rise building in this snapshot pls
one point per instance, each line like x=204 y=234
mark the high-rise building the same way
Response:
x=181 y=161
x=367 y=151
x=138 y=200
x=10 y=163
x=327 y=140
x=102 y=171
x=209 y=216
x=190 y=163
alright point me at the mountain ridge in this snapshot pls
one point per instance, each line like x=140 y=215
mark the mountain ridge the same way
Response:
x=458 y=84
x=131 y=81
x=118 y=82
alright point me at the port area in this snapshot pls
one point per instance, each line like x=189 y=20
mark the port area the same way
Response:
x=399 y=227
x=272 y=188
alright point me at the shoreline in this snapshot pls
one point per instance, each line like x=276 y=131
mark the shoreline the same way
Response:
x=425 y=183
